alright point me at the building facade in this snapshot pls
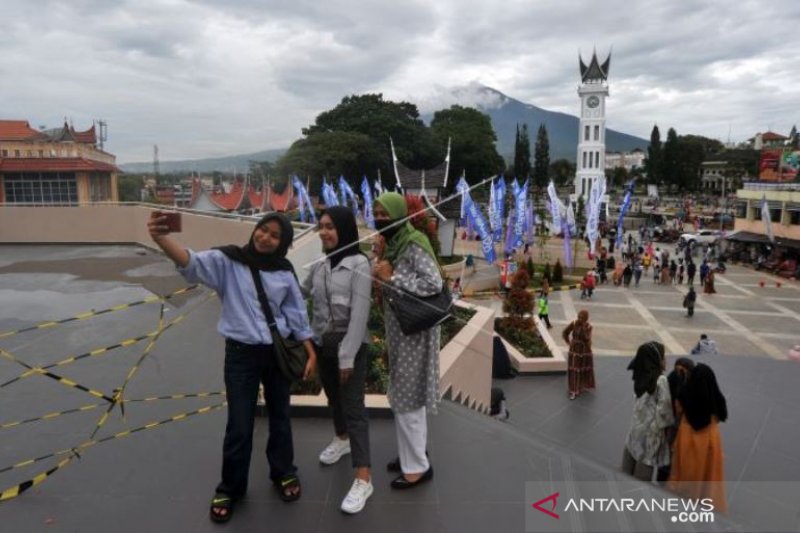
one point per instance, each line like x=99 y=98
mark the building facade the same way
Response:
x=628 y=160
x=593 y=91
x=61 y=166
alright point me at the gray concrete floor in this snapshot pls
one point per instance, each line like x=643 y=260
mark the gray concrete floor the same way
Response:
x=488 y=473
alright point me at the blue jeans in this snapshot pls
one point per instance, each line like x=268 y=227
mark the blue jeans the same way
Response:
x=245 y=366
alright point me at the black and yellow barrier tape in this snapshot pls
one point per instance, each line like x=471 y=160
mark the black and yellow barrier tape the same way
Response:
x=60 y=379
x=92 y=353
x=16 y=490
x=117 y=400
x=84 y=408
x=90 y=314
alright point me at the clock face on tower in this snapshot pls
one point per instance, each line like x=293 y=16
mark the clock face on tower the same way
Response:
x=593 y=101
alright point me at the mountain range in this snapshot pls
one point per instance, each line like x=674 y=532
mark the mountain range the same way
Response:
x=505 y=113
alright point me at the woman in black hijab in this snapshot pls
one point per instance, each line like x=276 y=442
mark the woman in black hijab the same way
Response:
x=698 y=469
x=340 y=288
x=249 y=354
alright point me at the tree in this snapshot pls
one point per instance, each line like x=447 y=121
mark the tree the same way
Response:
x=473 y=139
x=130 y=188
x=541 y=158
x=379 y=119
x=653 y=162
x=670 y=160
x=562 y=171
x=330 y=154
x=522 y=153
x=692 y=151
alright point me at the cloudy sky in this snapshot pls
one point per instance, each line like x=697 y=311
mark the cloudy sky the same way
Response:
x=207 y=78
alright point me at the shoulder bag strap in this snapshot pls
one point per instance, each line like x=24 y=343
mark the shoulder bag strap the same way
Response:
x=262 y=297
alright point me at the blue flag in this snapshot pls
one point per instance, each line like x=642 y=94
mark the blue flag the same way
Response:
x=366 y=192
x=473 y=213
x=626 y=202
x=303 y=201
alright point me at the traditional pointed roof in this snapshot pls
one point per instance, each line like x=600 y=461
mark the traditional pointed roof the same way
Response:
x=595 y=71
x=280 y=201
x=431 y=179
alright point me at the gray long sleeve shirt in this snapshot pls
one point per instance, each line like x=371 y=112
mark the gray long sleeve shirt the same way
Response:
x=345 y=292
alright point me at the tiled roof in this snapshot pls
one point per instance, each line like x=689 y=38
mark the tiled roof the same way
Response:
x=17 y=130
x=55 y=164
x=232 y=200
x=86 y=137
x=772 y=136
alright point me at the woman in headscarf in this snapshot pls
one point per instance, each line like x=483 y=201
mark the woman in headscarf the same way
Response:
x=340 y=289
x=698 y=469
x=677 y=381
x=408 y=263
x=646 y=447
x=249 y=353
x=708 y=283
x=580 y=363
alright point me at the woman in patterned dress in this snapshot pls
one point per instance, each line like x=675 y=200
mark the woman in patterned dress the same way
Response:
x=408 y=263
x=646 y=448
x=580 y=364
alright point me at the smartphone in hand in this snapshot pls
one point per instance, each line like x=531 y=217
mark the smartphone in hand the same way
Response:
x=173 y=222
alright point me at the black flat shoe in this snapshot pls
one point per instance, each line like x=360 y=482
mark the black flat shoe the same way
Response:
x=400 y=482
x=394 y=464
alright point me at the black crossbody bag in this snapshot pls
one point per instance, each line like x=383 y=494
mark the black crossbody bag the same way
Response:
x=290 y=354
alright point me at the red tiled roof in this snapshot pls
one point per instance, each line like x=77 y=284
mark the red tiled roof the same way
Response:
x=55 y=164
x=229 y=201
x=16 y=130
x=772 y=136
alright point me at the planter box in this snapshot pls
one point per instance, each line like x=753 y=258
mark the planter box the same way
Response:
x=539 y=365
x=465 y=372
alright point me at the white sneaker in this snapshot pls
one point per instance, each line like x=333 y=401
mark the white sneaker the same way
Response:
x=357 y=497
x=334 y=451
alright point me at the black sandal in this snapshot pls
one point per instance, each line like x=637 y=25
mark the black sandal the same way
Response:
x=221 y=502
x=285 y=487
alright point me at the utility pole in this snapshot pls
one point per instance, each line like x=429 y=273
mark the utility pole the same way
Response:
x=102 y=136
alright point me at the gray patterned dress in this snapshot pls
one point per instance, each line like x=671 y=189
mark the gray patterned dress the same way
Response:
x=413 y=359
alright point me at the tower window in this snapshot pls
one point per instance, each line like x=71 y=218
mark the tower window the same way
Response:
x=584 y=160
x=586 y=133
x=597 y=160
x=597 y=133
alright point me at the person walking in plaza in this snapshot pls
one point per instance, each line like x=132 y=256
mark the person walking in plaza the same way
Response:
x=681 y=270
x=689 y=301
x=704 y=270
x=544 y=309
x=409 y=264
x=665 y=276
x=627 y=275
x=249 y=353
x=673 y=272
x=708 y=285
x=580 y=361
x=691 y=270
x=637 y=272
x=646 y=447
x=340 y=289
x=698 y=469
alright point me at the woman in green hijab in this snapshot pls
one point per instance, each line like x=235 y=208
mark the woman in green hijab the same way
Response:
x=407 y=262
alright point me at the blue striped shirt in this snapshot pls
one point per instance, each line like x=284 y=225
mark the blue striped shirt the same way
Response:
x=242 y=318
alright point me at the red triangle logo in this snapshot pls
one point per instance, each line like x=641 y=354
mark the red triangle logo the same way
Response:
x=553 y=498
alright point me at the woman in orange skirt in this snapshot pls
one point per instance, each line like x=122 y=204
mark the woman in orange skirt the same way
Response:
x=698 y=469
x=580 y=364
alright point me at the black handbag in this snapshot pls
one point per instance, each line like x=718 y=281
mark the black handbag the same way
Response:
x=418 y=313
x=290 y=354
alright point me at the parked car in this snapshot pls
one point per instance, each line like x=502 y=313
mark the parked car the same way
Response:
x=704 y=236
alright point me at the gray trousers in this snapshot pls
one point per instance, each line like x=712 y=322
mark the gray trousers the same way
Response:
x=347 y=401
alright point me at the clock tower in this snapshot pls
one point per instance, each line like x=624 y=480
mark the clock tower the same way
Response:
x=593 y=90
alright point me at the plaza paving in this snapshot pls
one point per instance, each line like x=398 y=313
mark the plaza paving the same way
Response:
x=488 y=473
